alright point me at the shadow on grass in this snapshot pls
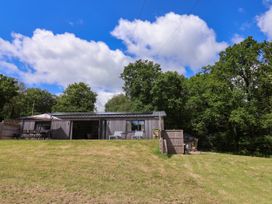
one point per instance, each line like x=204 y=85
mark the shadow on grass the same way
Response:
x=157 y=152
x=250 y=154
x=245 y=154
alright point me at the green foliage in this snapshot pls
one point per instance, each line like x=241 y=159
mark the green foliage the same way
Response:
x=77 y=97
x=169 y=93
x=37 y=101
x=230 y=103
x=150 y=89
x=228 y=106
x=17 y=101
x=263 y=145
x=29 y=101
x=119 y=103
x=8 y=89
x=266 y=122
x=139 y=78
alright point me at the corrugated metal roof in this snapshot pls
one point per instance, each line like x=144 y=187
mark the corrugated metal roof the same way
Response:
x=86 y=115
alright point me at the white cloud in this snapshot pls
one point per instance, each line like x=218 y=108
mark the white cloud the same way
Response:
x=64 y=59
x=265 y=23
x=173 y=40
x=102 y=99
x=8 y=67
x=237 y=39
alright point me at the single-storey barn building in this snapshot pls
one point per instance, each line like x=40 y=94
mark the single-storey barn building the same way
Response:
x=89 y=125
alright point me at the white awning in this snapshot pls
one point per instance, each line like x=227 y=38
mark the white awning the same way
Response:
x=44 y=117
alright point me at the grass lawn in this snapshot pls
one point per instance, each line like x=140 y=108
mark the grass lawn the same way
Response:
x=127 y=172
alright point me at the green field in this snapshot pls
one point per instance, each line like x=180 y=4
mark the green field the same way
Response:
x=127 y=172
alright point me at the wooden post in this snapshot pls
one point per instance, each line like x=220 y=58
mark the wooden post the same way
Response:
x=160 y=121
x=70 y=130
x=23 y=127
x=99 y=130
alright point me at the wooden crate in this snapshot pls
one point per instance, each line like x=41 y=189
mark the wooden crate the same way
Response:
x=172 y=142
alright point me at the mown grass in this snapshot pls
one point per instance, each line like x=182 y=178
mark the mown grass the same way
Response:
x=127 y=172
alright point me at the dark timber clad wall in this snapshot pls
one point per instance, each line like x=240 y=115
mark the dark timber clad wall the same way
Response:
x=7 y=131
x=120 y=125
x=151 y=124
x=116 y=125
x=62 y=129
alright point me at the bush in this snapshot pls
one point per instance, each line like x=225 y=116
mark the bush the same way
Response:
x=264 y=145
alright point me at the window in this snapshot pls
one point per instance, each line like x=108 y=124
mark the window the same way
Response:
x=135 y=125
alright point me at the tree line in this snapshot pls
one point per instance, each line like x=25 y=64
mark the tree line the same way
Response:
x=228 y=105
x=17 y=101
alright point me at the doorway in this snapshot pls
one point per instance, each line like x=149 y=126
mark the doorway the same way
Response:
x=86 y=129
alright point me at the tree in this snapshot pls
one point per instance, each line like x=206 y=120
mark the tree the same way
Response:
x=207 y=109
x=169 y=93
x=230 y=102
x=8 y=89
x=77 y=97
x=14 y=108
x=30 y=101
x=37 y=101
x=119 y=103
x=139 y=78
x=240 y=68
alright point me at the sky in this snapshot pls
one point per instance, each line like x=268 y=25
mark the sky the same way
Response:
x=51 y=44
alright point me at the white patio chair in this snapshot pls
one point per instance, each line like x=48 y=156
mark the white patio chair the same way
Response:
x=138 y=135
x=116 y=135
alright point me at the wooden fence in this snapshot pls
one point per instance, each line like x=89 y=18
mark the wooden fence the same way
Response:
x=172 y=142
x=9 y=130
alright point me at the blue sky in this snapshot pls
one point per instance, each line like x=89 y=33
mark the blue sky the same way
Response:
x=93 y=20
x=49 y=44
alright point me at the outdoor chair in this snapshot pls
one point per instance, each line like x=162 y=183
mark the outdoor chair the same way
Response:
x=24 y=134
x=117 y=135
x=45 y=135
x=31 y=134
x=37 y=135
x=138 y=135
